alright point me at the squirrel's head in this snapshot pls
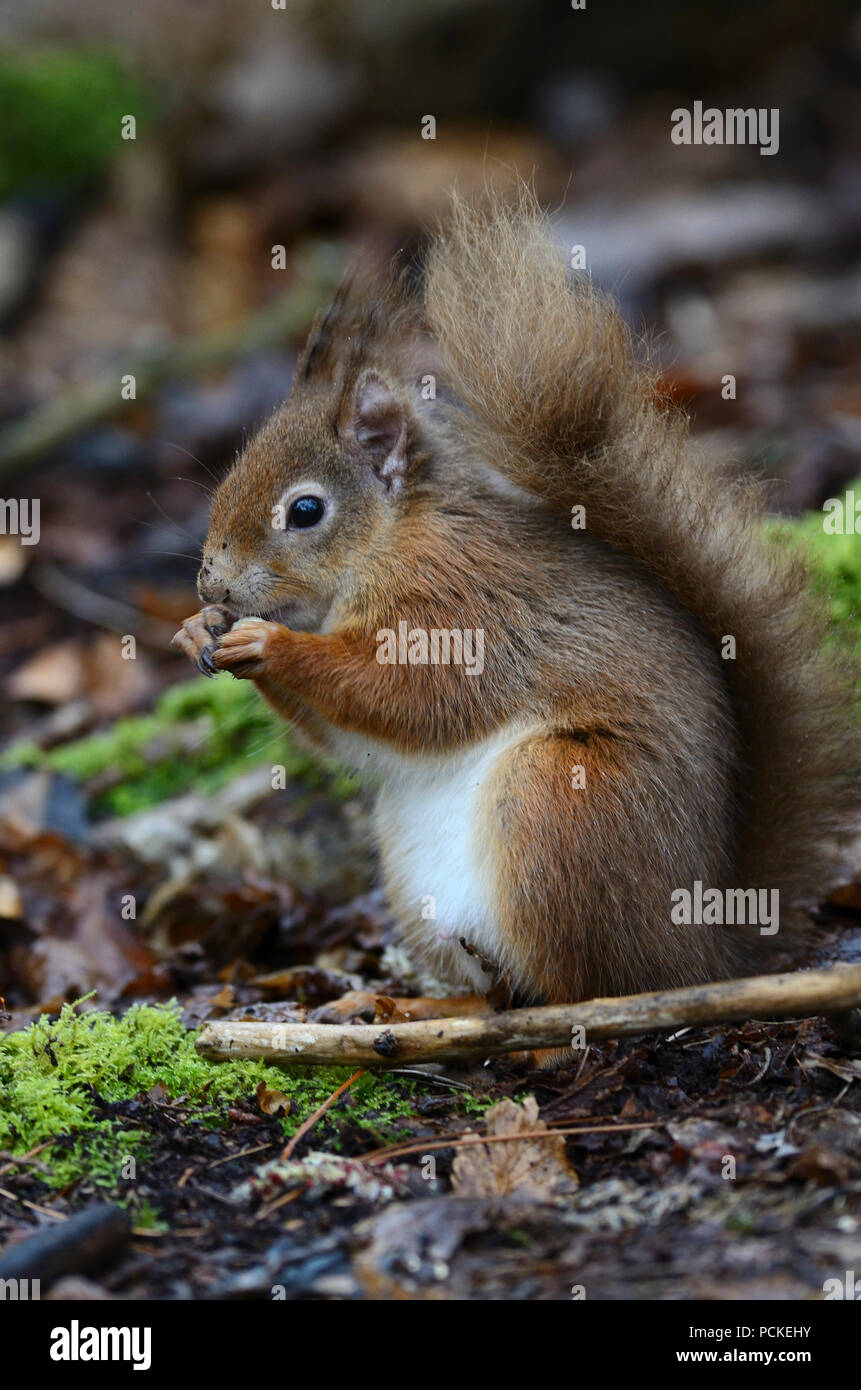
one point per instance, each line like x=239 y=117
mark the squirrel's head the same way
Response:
x=296 y=522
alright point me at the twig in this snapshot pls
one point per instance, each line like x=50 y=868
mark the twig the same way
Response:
x=763 y=1069
x=17 y=1161
x=33 y=1206
x=432 y=1078
x=582 y=1065
x=82 y=407
x=281 y=1201
x=457 y=1141
x=321 y=1110
x=87 y=1241
x=287 y=1151
x=800 y=994
x=243 y=1153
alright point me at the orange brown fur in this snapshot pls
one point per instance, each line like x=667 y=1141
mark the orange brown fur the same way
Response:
x=602 y=646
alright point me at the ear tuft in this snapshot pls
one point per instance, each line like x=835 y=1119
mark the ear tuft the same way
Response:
x=379 y=427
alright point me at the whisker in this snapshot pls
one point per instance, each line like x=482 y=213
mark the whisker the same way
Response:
x=169 y=444
x=261 y=748
x=170 y=519
x=151 y=526
x=210 y=491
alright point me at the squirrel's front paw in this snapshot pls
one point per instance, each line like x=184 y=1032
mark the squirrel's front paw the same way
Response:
x=246 y=649
x=195 y=637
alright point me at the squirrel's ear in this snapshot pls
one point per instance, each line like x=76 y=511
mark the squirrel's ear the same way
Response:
x=378 y=426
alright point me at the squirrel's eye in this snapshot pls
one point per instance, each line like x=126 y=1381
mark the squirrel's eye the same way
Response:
x=305 y=511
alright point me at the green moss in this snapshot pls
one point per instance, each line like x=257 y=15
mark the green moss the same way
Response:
x=61 y=114
x=835 y=571
x=474 y=1105
x=58 y=1080
x=148 y=1218
x=836 y=562
x=201 y=734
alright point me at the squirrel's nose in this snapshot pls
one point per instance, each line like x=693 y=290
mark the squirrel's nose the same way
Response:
x=210 y=587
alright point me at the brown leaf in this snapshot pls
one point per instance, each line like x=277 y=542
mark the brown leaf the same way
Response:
x=822 y=1164
x=71 y=903
x=848 y=1068
x=533 y=1170
x=273 y=1102
x=70 y=671
x=308 y=983
x=158 y=1094
x=54 y=676
x=847 y=896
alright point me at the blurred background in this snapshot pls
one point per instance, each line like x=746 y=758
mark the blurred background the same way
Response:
x=269 y=145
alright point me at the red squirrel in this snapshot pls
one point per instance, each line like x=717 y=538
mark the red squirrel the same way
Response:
x=638 y=701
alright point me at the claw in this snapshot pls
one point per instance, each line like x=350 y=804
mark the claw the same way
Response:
x=221 y=619
x=205 y=663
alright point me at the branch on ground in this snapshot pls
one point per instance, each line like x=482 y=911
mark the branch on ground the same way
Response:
x=804 y=993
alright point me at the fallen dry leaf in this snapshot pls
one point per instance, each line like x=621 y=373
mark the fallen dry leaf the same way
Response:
x=273 y=1102
x=822 y=1164
x=848 y=1068
x=71 y=670
x=847 y=896
x=70 y=904
x=54 y=676
x=534 y=1170
x=159 y=1094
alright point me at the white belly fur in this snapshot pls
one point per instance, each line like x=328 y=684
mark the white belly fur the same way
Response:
x=433 y=856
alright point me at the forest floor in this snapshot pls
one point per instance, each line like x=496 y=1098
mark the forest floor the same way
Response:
x=144 y=855
x=719 y=1163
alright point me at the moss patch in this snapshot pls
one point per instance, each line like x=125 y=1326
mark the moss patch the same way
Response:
x=200 y=735
x=61 y=115
x=836 y=562
x=59 y=1080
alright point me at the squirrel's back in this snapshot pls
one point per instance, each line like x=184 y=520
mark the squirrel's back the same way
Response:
x=552 y=393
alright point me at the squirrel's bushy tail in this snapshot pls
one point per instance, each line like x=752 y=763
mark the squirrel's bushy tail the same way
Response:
x=555 y=397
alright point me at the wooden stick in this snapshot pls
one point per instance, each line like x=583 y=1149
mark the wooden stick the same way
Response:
x=318 y=1113
x=801 y=993
x=86 y=1242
